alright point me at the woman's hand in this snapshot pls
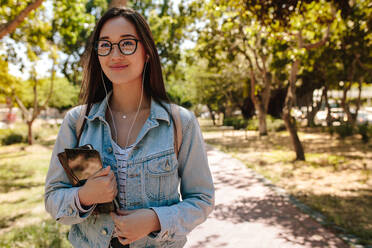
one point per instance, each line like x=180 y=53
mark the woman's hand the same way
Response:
x=99 y=188
x=132 y=225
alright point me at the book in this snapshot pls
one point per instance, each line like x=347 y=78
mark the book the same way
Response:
x=79 y=164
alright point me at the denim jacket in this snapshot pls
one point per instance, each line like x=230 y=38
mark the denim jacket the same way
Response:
x=180 y=190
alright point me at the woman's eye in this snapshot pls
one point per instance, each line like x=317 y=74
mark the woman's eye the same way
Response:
x=127 y=43
x=105 y=45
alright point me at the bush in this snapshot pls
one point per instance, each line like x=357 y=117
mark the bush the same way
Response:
x=344 y=130
x=252 y=124
x=11 y=137
x=363 y=130
x=237 y=122
x=273 y=124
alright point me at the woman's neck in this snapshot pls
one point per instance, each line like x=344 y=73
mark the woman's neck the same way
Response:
x=126 y=98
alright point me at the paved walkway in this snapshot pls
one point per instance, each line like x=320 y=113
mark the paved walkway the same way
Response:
x=249 y=214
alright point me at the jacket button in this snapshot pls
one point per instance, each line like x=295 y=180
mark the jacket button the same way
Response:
x=109 y=150
x=104 y=231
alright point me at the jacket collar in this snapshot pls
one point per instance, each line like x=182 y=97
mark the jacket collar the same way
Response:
x=156 y=110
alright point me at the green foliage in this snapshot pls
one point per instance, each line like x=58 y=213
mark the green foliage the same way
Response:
x=344 y=130
x=7 y=81
x=365 y=131
x=237 y=122
x=8 y=137
x=273 y=124
x=64 y=96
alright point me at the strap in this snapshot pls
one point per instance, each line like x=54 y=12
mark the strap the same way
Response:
x=80 y=123
x=177 y=128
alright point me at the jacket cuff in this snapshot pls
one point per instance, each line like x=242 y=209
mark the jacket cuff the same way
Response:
x=165 y=220
x=83 y=212
x=70 y=209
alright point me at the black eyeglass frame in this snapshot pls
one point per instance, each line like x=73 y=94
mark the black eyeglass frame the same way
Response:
x=117 y=43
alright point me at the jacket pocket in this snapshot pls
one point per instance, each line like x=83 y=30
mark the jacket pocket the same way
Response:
x=161 y=178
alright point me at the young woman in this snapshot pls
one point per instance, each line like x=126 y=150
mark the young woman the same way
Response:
x=129 y=120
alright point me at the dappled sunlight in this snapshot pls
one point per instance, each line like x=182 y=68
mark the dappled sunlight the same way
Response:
x=249 y=210
x=335 y=169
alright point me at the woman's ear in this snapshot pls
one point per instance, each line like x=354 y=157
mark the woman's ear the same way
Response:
x=147 y=57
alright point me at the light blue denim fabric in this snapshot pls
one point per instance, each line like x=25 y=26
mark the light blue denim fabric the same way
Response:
x=154 y=175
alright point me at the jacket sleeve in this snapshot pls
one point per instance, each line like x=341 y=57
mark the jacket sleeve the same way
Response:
x=197 y=188
x=60 y=197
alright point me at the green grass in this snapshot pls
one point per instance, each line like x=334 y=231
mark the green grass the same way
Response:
x=45 y=234
x=23 y=219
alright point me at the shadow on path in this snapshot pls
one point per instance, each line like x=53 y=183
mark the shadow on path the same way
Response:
x=249 y=214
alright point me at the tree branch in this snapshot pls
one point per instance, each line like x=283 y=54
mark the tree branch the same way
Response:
x=22 y=107
x=319 y=43
x=12 y=25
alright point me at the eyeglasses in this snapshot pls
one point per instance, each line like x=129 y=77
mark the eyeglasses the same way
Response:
x=126 y=46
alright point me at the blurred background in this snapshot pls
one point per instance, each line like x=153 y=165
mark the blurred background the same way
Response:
x=284 y=86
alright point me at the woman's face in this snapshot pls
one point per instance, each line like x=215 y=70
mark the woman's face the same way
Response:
x=120 y=68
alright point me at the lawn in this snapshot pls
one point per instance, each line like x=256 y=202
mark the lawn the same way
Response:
x=335 y=179
x=23 y=220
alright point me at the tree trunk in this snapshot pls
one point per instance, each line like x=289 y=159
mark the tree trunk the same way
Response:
x=358 y=101
x=262 y=125
x=212 y=115
x=288 y=121
x=10 y=26
x=261 y=103
x=345 y=105
x=291 y=128
x=329 y=117
x=29 y=136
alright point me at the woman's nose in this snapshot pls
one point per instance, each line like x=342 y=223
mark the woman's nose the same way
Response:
x=115 y=51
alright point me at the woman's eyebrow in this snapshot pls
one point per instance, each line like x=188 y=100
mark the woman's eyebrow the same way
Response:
x=123 y=36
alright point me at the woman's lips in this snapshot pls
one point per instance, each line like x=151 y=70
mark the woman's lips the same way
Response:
x=118 y=67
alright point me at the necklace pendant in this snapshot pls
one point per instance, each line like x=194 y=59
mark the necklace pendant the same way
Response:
x=124 y=116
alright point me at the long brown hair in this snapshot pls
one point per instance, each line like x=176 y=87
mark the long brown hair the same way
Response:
x=92 y=90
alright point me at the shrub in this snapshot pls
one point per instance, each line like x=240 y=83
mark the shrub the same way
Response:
x=273 y=124
x=228 y=121
x=12 y=138
x=363 y=130
x=344 y=130
x=8 y=137
x=252 y=124
x=237 y=122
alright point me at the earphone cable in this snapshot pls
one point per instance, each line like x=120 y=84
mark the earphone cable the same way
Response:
x=135 y=117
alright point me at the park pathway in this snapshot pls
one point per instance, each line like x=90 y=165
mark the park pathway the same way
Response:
x=249 y=214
